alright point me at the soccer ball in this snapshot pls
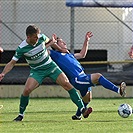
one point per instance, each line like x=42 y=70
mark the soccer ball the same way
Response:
x=125 y=110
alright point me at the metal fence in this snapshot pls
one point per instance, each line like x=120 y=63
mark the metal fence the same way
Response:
x=108 y=50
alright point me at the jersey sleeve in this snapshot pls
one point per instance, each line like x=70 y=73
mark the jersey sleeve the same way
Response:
x=45 y=38
x=18 y=54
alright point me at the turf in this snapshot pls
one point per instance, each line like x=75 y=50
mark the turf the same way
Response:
x=53 y=115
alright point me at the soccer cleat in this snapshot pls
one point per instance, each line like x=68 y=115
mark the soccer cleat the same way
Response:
x=86 y=112
x=123 y=89
x=75 y=117
x=18 y=118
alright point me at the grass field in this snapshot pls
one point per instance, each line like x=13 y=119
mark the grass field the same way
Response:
x=53 y=115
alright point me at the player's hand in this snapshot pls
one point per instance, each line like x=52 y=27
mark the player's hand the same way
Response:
x=130 y=53
x=88 y=35
x=51 y=41
x=54 y=38
x=1 y=76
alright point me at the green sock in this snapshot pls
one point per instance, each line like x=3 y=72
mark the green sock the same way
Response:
x=76 y=98
x=24 y=100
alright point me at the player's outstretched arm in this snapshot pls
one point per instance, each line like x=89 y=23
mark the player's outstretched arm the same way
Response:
x=84 y=49
x=7 y=68
x=130 y=53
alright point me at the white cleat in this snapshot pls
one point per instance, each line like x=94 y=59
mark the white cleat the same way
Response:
x=123 y=89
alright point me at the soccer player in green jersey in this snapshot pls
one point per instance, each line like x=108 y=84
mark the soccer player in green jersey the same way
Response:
x=34 y=51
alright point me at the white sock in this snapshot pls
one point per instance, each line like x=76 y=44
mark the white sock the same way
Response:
x=21 y=115
x=118 y=91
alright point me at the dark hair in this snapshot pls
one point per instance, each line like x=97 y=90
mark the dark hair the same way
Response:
x=57 y=43
x=32 y=29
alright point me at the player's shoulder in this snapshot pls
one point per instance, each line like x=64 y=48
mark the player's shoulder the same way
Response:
x=54 y=53
x=23 y=44
x=43 y=37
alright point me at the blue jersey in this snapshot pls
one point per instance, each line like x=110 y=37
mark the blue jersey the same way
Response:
x=68 y=63
x=73 y=70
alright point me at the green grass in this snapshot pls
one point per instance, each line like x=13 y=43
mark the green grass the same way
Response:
x=53 y=115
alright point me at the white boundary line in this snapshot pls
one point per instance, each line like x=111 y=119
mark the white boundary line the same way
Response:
x=1 y=106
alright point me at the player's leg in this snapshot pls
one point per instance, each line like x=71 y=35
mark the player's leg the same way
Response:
x=99 y=78
x=60 y=78
x=83 y=84
x=64 y=82
x=86 y=99
x=31 y=84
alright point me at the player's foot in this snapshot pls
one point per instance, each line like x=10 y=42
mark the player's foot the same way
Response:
x=75 y=117
x=18 y=118
x=123 y=89
x=87 y=112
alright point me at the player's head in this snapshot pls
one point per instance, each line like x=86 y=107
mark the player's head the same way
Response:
x=32 y=33
x=61 y=43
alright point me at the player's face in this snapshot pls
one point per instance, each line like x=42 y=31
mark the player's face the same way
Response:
x=33 y=39
x=61 y=43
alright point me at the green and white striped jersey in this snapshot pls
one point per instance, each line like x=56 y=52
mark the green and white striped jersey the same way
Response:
x=36 y=56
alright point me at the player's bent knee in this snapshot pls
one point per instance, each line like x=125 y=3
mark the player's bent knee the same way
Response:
x=99 y=75
x=67 y=86
x=88 y=97
x=27 y=91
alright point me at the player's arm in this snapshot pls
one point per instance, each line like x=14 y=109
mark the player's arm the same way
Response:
x=7 y=68
x=130 y=53
x=51 y=42
x=84 y=49
x=57 y=47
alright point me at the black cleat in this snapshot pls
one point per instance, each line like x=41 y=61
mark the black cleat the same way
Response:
x=75 y=117
x=86 y=112
x=18 y=118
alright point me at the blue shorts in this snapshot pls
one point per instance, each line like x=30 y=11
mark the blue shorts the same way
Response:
x=82 y=83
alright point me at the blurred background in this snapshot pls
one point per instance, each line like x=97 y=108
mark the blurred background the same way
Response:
x=109 y=46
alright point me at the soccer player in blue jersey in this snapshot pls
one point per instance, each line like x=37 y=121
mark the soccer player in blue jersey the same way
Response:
x=34 y=51
x=75 y=72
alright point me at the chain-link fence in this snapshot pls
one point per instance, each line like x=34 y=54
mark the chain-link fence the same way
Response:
x=108 y=50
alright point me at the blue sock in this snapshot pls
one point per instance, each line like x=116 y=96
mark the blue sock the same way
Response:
x=107 y=84
x=78 y=113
